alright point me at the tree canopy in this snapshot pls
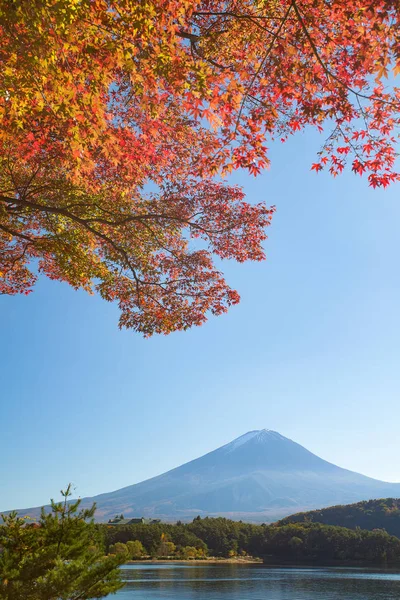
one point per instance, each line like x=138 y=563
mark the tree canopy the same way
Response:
x=120 y=119
x=369 y=514
x=60 y=557
x=292 y=542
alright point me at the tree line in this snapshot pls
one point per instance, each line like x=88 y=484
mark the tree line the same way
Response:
x=369 y=514
x=220 y=537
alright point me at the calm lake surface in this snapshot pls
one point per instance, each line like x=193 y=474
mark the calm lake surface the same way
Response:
x=255 y=582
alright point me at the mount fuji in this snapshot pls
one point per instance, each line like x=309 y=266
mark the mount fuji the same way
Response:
x=260 y=476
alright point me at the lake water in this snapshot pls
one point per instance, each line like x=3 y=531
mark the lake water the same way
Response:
x=162 y=581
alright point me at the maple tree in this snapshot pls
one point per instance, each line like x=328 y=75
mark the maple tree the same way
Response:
x=119 y=118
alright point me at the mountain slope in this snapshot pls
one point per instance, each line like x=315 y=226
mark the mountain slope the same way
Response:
x=259 y=476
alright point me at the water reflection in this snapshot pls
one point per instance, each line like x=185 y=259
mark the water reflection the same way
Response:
x=255 y=582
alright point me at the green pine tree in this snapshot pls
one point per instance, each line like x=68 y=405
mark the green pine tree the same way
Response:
x=59 y=558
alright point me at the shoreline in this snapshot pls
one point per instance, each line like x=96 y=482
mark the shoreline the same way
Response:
x=209 y=561
x=213 y=560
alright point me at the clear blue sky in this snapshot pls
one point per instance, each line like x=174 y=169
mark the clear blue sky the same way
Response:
x=312 y=351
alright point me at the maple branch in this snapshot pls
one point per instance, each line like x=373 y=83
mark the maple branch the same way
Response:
x=194 y=39
x=235 y=15
x=80 y=221
x=155 y=217
x=17 y=233
x=17 y=258
x=161 y=245
x=131 y=218
x=326 y=69
x=61 y=241
x=42 y=207
x=364 y=116
x=251 y=18
x=269 y=49
x=120 y=251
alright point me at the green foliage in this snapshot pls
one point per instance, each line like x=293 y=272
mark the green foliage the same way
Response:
x=166 y=548
x=295 y=543
x=60 y=557
x=135 y=549
x=307 y=541
x=326 y=543
x=150 y=536
x=225 y=537
x=119 y=548
x=371 y=514
x=190 y=553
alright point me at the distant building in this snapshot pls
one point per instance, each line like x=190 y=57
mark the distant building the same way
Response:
x=120 y=520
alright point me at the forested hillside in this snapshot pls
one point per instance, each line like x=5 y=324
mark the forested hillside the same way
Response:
x=219 y=537
x=371 y=514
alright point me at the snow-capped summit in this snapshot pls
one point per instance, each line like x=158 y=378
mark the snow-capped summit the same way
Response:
x=243 y=439
x=257 y=436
